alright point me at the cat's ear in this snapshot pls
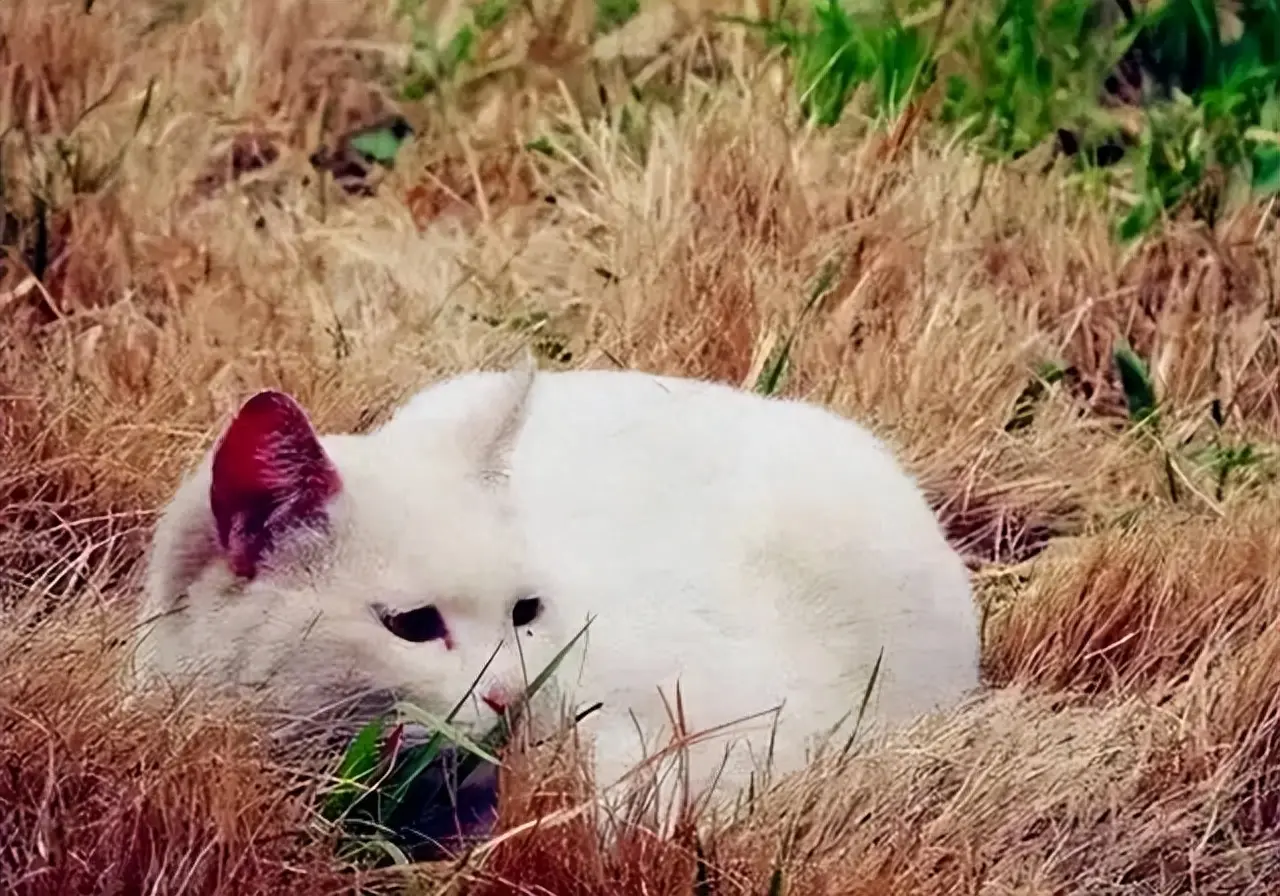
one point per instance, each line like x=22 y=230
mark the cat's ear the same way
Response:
x=270 y=476
x=491 y=429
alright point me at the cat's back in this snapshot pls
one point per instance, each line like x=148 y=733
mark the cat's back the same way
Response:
x=607 y=455
x=689 y=437
x=707 y=510
x=767 y=515
x=638 y=442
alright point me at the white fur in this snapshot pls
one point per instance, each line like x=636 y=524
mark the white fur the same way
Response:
x=760 y=552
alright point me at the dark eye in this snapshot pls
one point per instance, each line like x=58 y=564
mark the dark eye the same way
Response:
x=525 y=610
x=420 y=625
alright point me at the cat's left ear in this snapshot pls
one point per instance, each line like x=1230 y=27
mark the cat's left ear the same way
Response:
x=492 y=429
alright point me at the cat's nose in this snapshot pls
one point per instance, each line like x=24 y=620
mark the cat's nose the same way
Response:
x=496 y=700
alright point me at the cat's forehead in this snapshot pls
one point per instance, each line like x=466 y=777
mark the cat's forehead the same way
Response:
x=389 y=485
x=421 y=528
x=405 y=501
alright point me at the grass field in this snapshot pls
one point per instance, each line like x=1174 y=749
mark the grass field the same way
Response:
x=183 y=225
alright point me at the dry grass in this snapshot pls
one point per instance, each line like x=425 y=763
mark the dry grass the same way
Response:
x=158 y=797
x=192 y=255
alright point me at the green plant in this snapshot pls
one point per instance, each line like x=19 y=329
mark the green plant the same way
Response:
x=1026 y=68
x=380 y=145
x=1137 y=384
x=374 y=778
x=433 y=60
x=1221 y=457
x=1217 y=135
x=56 y=170
x=1024 y=406
x=381 y=790
x=613 y=14
x=1020 y=72
x=835 y=51
x=771 y=378
x=1223 y=460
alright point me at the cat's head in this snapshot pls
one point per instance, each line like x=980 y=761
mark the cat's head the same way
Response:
x=337 y=574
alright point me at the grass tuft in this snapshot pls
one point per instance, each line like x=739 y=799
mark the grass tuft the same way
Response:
x=1012 y=251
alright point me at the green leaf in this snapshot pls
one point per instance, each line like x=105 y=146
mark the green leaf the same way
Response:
x=1265 y=166
x=362 y=754
x=613 y=14
x=1051 y=371
x=418 y=86
x=774 y=372
x=545 y=675
x=458 y=51
x=489 y=14
x=541 y=145
x=426 y=719
x=496 y=738
x=1047 y=373
x=358 y=762
x=380 y=144
x=417 y=758
x=1138 y=221
x=1139 y=391
x=416 y=761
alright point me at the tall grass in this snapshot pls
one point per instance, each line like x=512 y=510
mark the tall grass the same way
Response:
x=1021 y=73
x=865 y=207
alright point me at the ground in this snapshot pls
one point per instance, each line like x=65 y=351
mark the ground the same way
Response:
x=184 y=224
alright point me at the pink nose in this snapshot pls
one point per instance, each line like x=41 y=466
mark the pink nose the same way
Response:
x=495 y=700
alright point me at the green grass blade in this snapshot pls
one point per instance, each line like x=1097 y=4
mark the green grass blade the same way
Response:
x=1135 y=380
x=453 y=734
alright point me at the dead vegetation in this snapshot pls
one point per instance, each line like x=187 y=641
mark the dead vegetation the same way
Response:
x=194 y=254
x=159 y=797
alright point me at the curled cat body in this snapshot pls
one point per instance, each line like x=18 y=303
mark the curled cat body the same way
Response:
x=768 y=557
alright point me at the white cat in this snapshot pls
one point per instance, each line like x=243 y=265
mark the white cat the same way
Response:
x=761 y=553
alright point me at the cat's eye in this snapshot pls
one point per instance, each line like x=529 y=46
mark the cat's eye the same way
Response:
x=417 y=625
x=525 y=611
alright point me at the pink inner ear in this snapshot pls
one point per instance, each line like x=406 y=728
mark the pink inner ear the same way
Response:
x=270 y=476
